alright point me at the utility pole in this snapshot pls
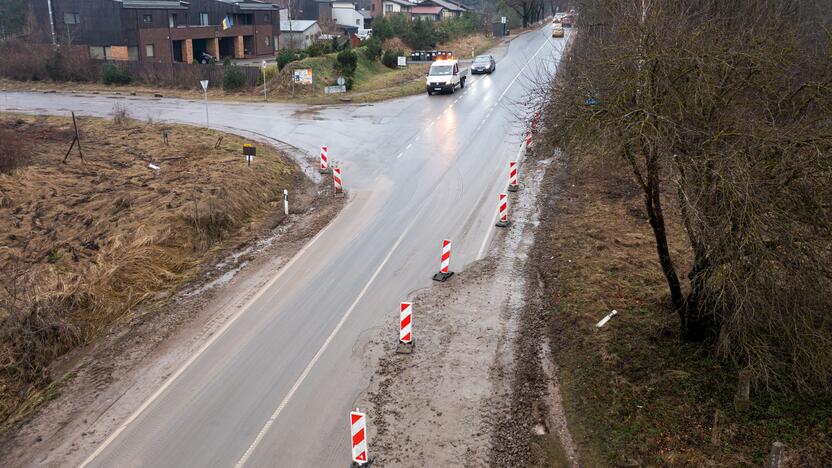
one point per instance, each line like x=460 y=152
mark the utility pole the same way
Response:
x=51 y=22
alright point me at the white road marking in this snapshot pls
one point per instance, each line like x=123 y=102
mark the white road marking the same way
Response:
x=399 y=156
x=521 y=70
x=329 y=339
x=170 y=380
x=408 y=146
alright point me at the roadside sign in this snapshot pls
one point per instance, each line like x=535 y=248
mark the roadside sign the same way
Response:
x=264 y=64
x=341 y=81
x=335 y=89
x=204 y=84
x=402 y=61
x=303 y=76
x=503 y=20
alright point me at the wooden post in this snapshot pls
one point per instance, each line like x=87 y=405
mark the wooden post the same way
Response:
x=742 y=400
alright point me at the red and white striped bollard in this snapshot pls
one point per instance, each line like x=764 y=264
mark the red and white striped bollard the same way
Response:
x=405 y=328
x=445 y=264
x=503 y=205
x=512 y=176
x=358 y=438
x=336 y=180
x=324 y=160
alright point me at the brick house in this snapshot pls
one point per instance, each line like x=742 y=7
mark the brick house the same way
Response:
x=159 y=30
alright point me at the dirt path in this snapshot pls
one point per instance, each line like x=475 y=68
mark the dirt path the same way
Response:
x=102 y=384
x=440 y=405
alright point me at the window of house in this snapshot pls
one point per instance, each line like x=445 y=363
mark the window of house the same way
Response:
x=267 y=40
x=97 y=52
x=133 y=53
x=267 y=18
x=172 y=20
x=72 y=18
x=149 y=50
x=358 y=22
x=147 y=19
x=388 y=7
x=203 y=19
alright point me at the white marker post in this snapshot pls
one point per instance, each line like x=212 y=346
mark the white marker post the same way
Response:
x=204 y=84
x=265 y=97
x=286 y=202
x=606 y=319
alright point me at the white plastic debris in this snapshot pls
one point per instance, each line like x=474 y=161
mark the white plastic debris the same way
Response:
x=606 y=319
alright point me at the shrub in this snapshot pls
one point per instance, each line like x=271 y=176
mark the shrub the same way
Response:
x=346 y=63
x=421 y=34
x=286 y=56
x=111 y=74
x=390 y=59
x=348 y=83
x=372 y=49
x=55 y=66
x=11 y=152
x=319 y=48
x=233 y=78
x=271 y=72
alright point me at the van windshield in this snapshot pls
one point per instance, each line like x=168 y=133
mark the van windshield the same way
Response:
x=441 y=70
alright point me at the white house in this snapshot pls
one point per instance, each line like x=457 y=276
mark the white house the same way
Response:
x=345 y=14
x=298 y=34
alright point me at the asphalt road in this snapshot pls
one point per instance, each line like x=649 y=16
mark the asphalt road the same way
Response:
x=274 y=388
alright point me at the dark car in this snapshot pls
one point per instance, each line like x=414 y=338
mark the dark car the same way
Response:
x=483 y=64
x=204 y=57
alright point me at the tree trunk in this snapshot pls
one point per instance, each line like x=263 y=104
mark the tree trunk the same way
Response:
x=653 y=204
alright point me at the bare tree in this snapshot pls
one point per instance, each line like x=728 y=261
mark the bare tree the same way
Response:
x=728 y=106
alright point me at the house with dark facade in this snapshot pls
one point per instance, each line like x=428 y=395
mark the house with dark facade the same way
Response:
x=159 y=30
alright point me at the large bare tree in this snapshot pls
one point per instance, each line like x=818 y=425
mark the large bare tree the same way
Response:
x=726 y=106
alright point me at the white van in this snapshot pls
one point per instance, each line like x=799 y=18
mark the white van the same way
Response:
x=445 y=76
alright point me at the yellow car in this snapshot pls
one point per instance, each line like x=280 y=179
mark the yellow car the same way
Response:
x=557 y=31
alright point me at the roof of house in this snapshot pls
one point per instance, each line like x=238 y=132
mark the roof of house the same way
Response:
x=445 y=4
x=251 y=4
x=366 y=14
x=403 y=3
x=296 y=25
x=168 y=4
x=426 y=10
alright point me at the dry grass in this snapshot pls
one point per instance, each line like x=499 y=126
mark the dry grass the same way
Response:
x=634 y=393
x=84 y=243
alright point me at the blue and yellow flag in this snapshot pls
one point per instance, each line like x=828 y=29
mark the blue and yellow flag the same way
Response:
x=226 y=23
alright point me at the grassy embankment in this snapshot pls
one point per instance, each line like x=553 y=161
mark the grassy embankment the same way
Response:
x=84 y=244
x=634 y=393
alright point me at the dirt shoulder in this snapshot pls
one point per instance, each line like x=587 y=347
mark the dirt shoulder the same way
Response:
x=635 y=394
x=205 y=211
x=443 y=402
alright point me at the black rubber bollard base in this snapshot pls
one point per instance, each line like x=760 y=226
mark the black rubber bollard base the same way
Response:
x=356 y=465
x=442 y=277
x=502 y=223
x=340 y=194
x=325 y=171
x=513 y=188
x=405 y=348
